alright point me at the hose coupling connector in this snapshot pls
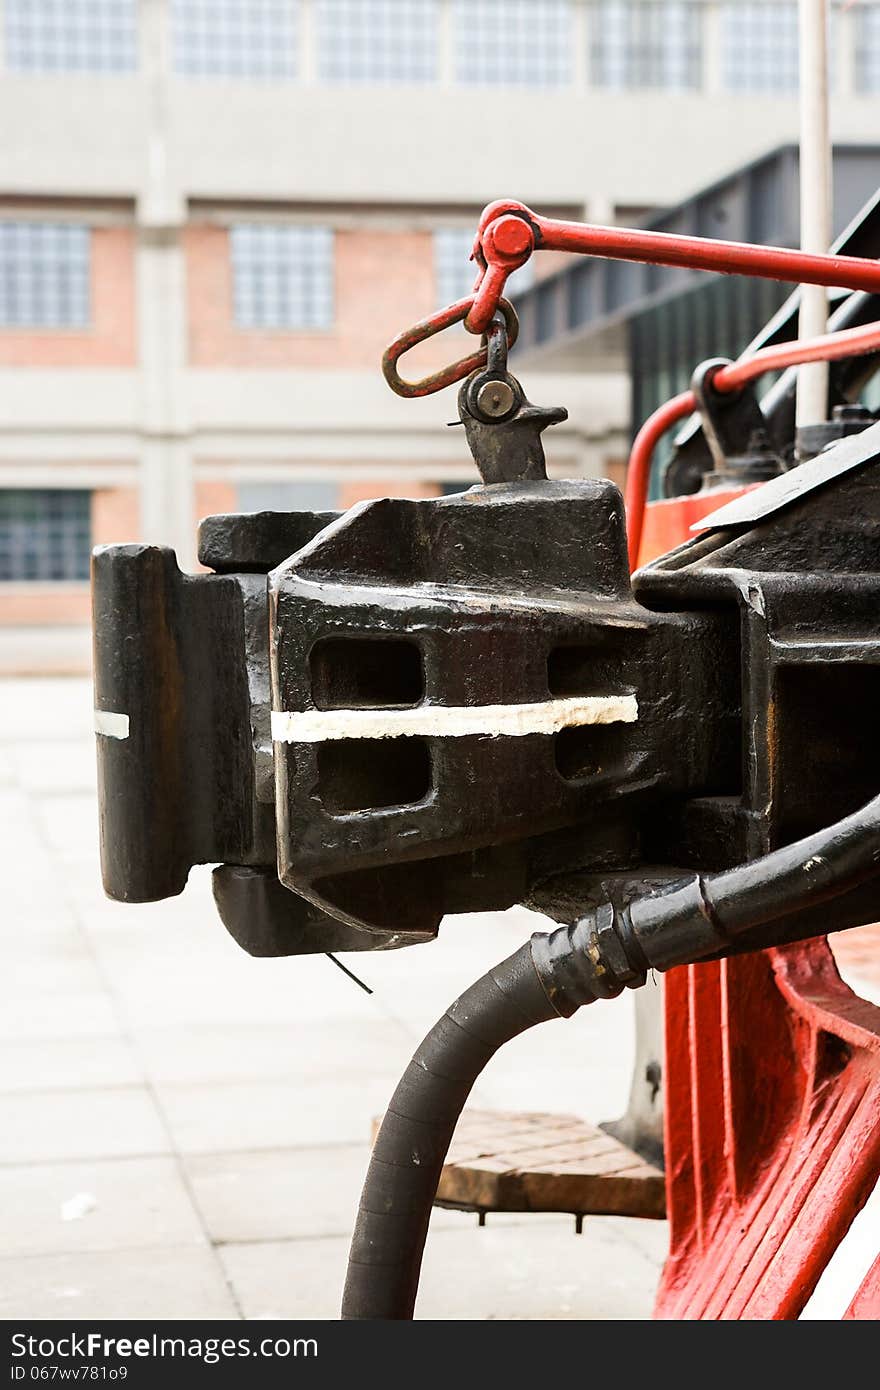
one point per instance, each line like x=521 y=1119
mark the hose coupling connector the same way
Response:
x=587 y=961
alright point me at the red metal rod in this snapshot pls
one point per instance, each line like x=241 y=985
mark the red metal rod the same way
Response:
x=830 y=347
x=510 y=231
x=638 y=473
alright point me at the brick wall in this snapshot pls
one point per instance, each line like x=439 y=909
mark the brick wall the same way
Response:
x=384 y=280
x=115 y=515
x=111 y=340
x=213 y=497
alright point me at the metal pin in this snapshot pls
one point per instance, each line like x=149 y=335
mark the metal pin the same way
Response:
x=495 y=398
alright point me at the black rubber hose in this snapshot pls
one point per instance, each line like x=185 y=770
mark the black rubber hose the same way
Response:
x=395 y=1207
x=809 y=871
x=706 y=915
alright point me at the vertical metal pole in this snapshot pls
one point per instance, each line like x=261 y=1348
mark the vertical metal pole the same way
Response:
x=815 y=189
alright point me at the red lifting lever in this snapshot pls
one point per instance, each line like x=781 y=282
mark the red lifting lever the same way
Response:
x=509 y=232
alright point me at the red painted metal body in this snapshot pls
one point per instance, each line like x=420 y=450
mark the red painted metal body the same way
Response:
x=772 y=1106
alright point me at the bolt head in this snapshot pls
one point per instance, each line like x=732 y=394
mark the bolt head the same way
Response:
x=511 y=236
x=494 y=399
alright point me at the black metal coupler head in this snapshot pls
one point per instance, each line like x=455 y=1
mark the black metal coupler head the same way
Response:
x=418 y=707
x=368 y=721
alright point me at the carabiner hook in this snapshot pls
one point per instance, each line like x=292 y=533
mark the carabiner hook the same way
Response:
x=426 y=328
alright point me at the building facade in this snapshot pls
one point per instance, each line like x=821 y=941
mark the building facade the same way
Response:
x=215 y=213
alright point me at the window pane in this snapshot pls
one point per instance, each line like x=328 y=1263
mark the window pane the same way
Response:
x=868 y=48
x=282 y=276
x=377 y=40
x=44 y=534
x=71 y=35
x=760 y=46
x=514 y=41
x=646 y=43
x=455 y=272
x=234 y=38
x=44 y=275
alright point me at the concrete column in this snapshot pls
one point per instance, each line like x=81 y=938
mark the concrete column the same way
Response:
x=166 y=470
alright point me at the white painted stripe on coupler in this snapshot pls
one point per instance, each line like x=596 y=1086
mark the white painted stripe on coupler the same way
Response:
x=444 y=721
x=111 y=724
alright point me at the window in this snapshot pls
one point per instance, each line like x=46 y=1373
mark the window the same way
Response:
x=234 y=38
x=377 y=40
x=44 y=534
x=760 y=46
x=44 y=275
x=455 y=273
x=868 y=48
x=513 y=41
x=282 y=276
x=71 y=35
x=646 y=43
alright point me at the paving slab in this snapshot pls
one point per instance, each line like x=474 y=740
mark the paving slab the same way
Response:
x=174 y=1283
x=54 y=1064
x=279 y=1194
x=45 y=1126
x=124 y=1203
x=90 y=1014
x=295 y=1050
x=267 y=1115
